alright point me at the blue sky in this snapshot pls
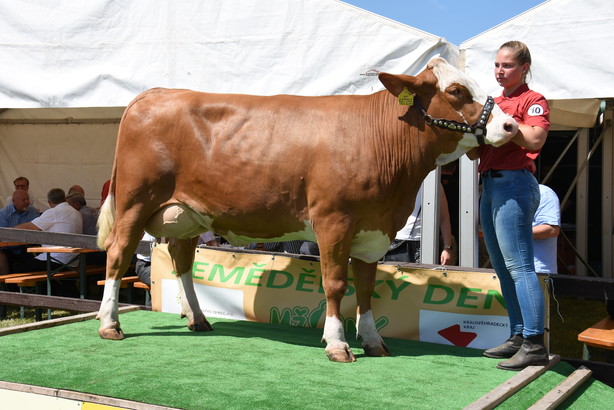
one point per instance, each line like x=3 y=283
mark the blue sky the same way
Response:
x=456 y=20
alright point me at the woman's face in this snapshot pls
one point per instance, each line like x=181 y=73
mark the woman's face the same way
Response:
x=508 y=72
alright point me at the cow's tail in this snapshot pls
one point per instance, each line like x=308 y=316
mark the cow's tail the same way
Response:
x=106 y=220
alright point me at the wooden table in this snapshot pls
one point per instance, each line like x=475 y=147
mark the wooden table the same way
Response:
x=80 y=256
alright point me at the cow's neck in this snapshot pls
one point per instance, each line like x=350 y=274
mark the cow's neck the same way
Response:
x=405 y=148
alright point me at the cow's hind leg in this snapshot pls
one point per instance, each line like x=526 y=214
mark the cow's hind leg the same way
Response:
x=119 y=254
x=182 y=254
x=364 y=282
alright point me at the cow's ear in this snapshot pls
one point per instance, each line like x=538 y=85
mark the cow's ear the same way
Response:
x=396 y=83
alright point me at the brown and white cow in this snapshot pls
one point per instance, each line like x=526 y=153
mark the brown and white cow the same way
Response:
x=342 y=170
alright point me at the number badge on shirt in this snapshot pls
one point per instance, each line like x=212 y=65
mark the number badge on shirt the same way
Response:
x=536 y=109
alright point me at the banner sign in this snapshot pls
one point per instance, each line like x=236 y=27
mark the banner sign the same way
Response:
x=432 y=305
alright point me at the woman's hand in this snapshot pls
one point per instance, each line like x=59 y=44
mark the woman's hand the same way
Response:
x=446 y=257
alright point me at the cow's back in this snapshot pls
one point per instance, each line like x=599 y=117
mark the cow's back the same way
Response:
x=241 y=158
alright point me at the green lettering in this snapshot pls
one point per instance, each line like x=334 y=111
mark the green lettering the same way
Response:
x=254 y=274
x=303 y=279
x=223 y=277
x=493 y=294
x=430 y=292
x=464 y=295
x=281 y=318
x=195 y=269
x=285 y=277
x=396 y=290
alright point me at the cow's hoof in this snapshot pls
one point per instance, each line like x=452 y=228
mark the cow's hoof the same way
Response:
x=380 y=350
x=200 y=326
x=111 y=334
x=340 y=355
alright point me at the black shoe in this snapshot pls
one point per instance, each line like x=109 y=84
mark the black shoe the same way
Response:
x=533 y=352
x=506 y=350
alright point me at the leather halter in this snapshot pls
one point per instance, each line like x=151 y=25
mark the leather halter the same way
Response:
x=478 y=128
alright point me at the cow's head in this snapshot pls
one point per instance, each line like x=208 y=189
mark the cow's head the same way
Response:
x=448 y=99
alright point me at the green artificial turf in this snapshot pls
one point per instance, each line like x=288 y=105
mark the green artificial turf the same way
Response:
x=253 y=365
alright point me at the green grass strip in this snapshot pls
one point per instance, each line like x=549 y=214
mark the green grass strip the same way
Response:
x=247 y=365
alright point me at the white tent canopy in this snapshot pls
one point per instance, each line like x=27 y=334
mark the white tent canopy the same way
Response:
x=571 y=46
x=102 y=53
x=68 y=64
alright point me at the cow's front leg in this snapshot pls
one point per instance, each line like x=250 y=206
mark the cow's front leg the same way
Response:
x=364 y=282
x=182 y=254
x=334 y=262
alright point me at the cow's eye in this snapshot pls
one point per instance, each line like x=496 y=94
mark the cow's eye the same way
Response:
x=455 y=91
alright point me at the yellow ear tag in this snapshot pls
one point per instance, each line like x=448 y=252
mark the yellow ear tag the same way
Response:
x=406 y=98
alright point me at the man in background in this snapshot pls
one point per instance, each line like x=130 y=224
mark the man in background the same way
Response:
x=60 y=217
x=16 y=212
x=546 y=229
x=89 y=214
x=23 y=183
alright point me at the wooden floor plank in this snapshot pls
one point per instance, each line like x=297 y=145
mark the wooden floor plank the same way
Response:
x=505 y=390
x=563 y=390
x=78 y=396
x=59 y=321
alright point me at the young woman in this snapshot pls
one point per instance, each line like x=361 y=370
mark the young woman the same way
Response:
x=510 y=197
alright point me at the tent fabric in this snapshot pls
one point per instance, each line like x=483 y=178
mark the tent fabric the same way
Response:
x=570 y=43
x=102 y=53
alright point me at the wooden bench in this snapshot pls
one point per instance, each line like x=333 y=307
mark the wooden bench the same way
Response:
x=141 y=285
x=4 y=278
x=33 y=278
x=126 y=281
x=600 y=336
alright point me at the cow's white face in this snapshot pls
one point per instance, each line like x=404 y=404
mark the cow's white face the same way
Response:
x=501 y=128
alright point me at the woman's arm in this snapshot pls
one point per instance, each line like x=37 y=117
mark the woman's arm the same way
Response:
x=530 y=137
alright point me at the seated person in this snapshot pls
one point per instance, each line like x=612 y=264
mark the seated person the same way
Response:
x=143 y=262
x=18 y=211
x=89 y=214
x=208 y=239
x=76 y=188
x=60 y=217
x=105 y=191
x=22 y=183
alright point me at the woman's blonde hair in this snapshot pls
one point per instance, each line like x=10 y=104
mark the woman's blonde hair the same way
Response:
x=521 y=53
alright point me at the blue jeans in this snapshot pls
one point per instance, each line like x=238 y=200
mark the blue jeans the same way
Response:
x=507 y=208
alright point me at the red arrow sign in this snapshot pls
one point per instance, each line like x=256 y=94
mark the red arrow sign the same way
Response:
x=457 y=337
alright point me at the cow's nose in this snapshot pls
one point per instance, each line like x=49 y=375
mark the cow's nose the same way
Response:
x=511 y=127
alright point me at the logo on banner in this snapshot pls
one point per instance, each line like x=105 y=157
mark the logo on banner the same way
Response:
x=302 y=316
x=457 y=329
